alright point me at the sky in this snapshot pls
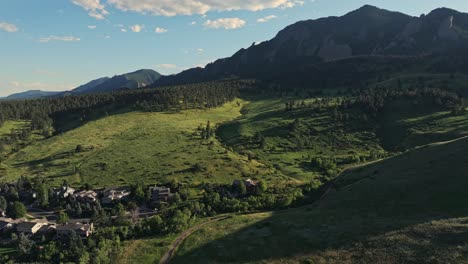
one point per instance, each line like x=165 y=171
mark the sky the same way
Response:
x=57 y=45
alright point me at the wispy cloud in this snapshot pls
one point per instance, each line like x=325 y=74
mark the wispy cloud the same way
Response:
x=160 y=30
x=266 y=19
x=226 y=23
x=192 y=7
x=8 y=27
x=59 y=38
x=92 y=26
x=94 y=7
x=137 y=28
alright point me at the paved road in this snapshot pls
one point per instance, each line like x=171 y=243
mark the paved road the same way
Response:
x=176 y=243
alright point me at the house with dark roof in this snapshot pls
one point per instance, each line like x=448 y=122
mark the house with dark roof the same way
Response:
x=81 y=229
x=29 y=228
x=161 y=194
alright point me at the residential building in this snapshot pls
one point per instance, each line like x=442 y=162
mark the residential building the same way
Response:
x=85 y=196
x=29 y=228
x=162 y=194
x=113 y=195
x=81 y=229
x=64 y=191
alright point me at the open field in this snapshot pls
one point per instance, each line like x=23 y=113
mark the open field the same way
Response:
x=394 y=211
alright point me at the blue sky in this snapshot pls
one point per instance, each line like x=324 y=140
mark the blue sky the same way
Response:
x=60 y=44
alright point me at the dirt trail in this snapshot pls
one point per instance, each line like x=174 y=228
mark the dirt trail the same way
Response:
x=176 y=243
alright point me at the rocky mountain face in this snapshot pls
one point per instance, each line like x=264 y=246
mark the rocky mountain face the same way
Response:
x=90 y=85
x=368 y=31
x=137 y=79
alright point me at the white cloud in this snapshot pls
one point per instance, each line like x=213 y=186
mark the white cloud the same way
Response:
x=166 y=66
x=266 y=19
x=200 y=50
x=160 y=30
x=59 y=38
x=193 y=23
x=123 y=30
x=8 y=27
x=94 y=7
x=191 y=7
x=226 y=23
x=136 y=28
x=92 y=26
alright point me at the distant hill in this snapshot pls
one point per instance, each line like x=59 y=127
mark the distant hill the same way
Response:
x=368 y=31
x=31 y=95
x=137 y=79
x=90 y=85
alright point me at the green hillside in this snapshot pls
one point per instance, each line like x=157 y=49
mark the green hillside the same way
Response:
x=411 y=208
x=121 y=149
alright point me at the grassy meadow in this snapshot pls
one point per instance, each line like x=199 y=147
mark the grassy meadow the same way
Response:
x=135 y=146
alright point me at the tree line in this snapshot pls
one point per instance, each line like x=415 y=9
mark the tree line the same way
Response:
x=44 y=112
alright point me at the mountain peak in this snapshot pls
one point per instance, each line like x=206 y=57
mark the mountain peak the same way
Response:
x=443 y=11
x=367 y=10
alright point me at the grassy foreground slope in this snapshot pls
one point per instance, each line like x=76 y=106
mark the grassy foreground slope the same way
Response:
x=412 y=208
x=125 y=148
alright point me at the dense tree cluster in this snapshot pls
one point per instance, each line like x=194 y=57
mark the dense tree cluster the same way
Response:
x=374 y=100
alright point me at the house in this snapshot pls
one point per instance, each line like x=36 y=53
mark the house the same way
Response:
x=162 y=194
x=115 y=195
x=81 y=229
x=85 y=196
x=29 y=228
x=64 y=191
x=250 y=185
x=47 y=228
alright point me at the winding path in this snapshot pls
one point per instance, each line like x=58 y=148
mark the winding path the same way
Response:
x=176 y=243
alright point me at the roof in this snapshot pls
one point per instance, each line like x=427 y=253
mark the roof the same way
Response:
x=82 y=194
x=26 y=225
x=75 y=227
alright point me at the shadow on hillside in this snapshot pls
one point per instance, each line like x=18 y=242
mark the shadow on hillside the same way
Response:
x=411 y=189
x=288 y=234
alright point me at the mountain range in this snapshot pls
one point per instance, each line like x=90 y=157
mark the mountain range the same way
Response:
x=313 y=51
x=132 y=80
x=366 y=32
